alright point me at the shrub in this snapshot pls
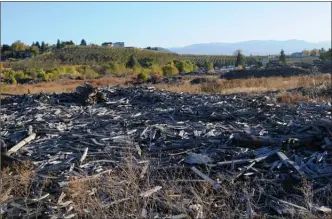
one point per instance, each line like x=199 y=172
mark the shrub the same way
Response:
x=169 y=70
x=143 y=76
x=32 y=73
x=186 y=66
x=41 y=75
x=157 y=70
x=12 y=79
x=240 y=67
x=19 y=75
x=51 y=77
x=89 y=73
x=70 y=69
x=132 y=63
x=208 y=66
x=137 y=69
x=114 y=68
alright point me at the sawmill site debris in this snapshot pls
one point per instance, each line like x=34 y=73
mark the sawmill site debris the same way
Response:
x=192 y=156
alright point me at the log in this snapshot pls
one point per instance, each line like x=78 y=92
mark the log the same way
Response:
x=21 y=144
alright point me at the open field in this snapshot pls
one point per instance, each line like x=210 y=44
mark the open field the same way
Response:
x=178 y=150
x=143 y=152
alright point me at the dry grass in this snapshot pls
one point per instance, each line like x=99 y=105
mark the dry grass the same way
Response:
x=252 y=85
x=58 y=86
x=16 y=181
x=117 y=194
x=297 y=97
x=221 y=86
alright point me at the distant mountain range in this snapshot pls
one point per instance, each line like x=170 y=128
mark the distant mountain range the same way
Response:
x=254 y=47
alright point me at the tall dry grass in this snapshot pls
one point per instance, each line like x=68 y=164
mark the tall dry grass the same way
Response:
x=220 y=86
x=58 y=86
x=119 y=194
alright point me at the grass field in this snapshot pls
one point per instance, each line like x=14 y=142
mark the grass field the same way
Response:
x=220 y=86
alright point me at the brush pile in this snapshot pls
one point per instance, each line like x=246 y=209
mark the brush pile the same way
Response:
x=142 y=152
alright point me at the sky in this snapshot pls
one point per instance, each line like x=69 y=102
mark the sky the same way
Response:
x=164 y=24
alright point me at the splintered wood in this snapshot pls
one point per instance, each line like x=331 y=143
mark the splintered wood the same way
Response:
x=247 y=147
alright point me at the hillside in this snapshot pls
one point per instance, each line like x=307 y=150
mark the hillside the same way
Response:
x=78 y=55
x=218 y=60
x=254 y=47
x=92 y=55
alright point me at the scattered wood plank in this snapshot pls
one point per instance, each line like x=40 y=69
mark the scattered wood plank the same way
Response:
x=21 y=144
x=206 y=178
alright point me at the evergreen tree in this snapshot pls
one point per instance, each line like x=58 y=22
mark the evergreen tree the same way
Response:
x=240 y=59
x=132 y=62
x=37 y=44
x=83 y=42
x=282 y=57
x=5 y=48
x=43 y=47
x=58 y=44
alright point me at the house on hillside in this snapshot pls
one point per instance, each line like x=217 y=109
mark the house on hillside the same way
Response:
x=107 y=44
x=119 y=44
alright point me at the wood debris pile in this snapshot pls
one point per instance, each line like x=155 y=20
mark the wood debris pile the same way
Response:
x=270 y=150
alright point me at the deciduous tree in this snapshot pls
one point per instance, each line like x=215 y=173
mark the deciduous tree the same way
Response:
x=34 y=50
x=314 y=52
x=18 y=46
x=306 y=52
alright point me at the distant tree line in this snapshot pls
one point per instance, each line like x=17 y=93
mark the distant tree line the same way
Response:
x=19 y=50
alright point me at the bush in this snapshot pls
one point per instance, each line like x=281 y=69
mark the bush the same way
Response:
x=89 y=73
x=240 y=67
x=70 y=69
x=157 y=70
x=186 y=66
x=115 y=68
x=137 y=69
x=41 y=75
x=51 y=77
x=169 y=70
x=33 y=73
x=132 y=63
x=143 y=76
x=12 y=79
x=19 y=75
x=208 y=66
